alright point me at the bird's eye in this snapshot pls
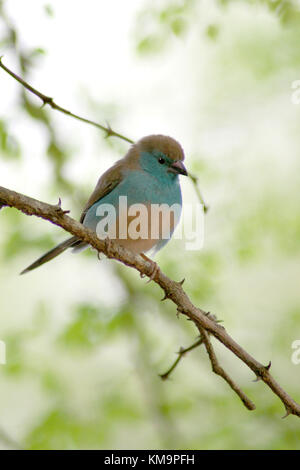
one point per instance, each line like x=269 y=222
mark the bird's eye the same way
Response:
x=161 y=160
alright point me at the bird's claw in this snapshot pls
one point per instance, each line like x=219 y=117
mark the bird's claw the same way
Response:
x=108 y=247
x=154 y=266
x=155 y=271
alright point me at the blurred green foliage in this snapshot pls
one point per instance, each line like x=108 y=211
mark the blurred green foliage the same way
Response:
x=8 y=144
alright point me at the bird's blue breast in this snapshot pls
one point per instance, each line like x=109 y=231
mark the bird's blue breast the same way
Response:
x=143 y=187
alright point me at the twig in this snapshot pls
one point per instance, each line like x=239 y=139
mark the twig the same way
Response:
x=181 y=353
x=48 y=100
x=173 y=290
x=217 y=369
x=195 y=181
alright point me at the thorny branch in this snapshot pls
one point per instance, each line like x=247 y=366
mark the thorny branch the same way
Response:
x=172 y=290
x=183 y=351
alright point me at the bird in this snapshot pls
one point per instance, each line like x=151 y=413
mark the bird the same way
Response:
x=147 y=176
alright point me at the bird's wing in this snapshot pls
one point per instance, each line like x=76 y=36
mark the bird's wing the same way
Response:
x=107 y=182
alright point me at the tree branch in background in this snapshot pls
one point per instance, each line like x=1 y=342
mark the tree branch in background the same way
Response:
x=217 y=369
x=182 y=351
x=173 y=290
x=108 y=130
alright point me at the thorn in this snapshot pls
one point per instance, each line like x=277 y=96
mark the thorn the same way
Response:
x=109 y=131
x=47 y=100
x=261 y=372
x=207 y=314
x=66 y=212
x=268 y=366
x=59 y=208
x=288 y=412
x=178 y=312
x=181 y=282
x=165 y=297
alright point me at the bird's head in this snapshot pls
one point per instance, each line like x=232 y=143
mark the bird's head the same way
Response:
x=159 y=155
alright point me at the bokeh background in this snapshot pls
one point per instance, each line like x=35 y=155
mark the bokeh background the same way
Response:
x=86 y=340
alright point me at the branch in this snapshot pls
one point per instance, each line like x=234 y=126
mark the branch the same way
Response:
x=173 y=290
x=48 y=100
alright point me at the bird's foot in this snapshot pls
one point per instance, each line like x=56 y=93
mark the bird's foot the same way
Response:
x=154 y=267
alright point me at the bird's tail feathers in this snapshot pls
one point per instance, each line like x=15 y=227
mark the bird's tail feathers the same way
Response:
x=57 y=250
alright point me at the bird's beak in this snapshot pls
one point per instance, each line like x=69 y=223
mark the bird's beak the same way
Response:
x=178 y=168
